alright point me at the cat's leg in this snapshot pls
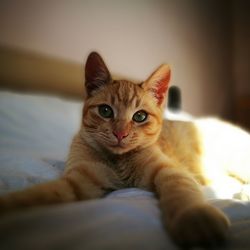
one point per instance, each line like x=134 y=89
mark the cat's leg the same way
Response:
x=52 y=192
x=77 y=184
x=189 y=219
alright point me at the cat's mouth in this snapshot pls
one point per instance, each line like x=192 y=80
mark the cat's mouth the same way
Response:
x=118 y=145
x=119 y=148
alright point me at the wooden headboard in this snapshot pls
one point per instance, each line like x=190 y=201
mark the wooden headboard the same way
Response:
x=32 y=72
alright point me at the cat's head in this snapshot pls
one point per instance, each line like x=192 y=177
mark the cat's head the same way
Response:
x=120 y=115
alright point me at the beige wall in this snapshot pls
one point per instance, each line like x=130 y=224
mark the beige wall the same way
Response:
x=134 y=37
x=241 y=61
x=241 y=47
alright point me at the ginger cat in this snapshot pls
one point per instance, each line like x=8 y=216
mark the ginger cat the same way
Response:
x=124 y=142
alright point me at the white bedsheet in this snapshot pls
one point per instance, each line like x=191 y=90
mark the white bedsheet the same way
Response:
x=35 y=133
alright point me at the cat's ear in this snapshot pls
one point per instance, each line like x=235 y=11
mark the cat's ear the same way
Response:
x=96 y=73
x=158 y=83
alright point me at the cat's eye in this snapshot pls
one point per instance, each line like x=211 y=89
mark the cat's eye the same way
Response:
x=140 y=116
x=105 y=111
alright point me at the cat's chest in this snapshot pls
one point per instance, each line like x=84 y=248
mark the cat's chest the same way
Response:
x=124 y=170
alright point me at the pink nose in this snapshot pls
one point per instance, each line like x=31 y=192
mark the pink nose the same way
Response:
x=120 y=134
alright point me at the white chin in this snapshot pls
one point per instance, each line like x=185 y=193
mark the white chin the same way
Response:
x=119 y=150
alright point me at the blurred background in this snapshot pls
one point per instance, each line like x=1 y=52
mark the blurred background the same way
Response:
x=44 y=44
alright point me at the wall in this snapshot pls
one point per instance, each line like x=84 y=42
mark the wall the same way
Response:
x=134 y=37
x=241 y=61
x=241 y=46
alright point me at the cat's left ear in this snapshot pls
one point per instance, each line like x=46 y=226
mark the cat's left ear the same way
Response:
x=96 y=73
x=158 y=83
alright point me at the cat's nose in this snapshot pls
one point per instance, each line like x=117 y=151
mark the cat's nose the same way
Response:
x=120 y=134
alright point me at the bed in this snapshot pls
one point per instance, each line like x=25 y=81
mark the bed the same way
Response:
x=35 y=133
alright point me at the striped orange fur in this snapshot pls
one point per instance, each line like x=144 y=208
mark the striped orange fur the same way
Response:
x=124 y=142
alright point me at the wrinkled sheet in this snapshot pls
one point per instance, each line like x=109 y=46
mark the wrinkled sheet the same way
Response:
x=35 y=133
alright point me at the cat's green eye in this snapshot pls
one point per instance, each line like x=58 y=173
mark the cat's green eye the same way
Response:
x=105 y=111
x=140 y=116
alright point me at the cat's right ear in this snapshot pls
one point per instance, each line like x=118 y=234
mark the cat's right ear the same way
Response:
x=96 y=73
x=158 y=83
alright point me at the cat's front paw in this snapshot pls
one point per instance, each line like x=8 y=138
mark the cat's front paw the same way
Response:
x=201 y=225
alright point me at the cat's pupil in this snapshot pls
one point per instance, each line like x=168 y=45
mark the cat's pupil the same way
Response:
x=140 y=116
x=105 y=111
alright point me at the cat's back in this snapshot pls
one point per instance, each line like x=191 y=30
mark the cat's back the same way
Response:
x=180 y=141
x=207 y=145
x=178 y=136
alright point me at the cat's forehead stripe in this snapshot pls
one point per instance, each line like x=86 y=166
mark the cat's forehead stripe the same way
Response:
x=112 y=99
x=125 y=92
